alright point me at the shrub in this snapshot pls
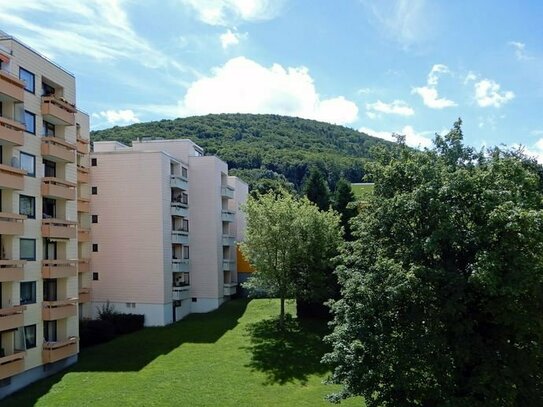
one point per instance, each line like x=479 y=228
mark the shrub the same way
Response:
x=93 y=332
x=124 y=323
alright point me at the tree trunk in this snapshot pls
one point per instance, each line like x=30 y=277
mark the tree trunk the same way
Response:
x=282 y=314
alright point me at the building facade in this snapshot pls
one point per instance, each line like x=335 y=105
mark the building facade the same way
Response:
x=165 y=223
x=44 y=154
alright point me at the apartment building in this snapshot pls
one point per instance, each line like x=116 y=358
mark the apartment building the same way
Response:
x=165 y=223
x=44 y=154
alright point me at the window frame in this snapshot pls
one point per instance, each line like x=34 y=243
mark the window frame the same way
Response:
x=33 y=292
x=33 y=201
x=95 y=247
x=21 y=154
x=33 y=90
x=33 y=115
x=94 y=162
x=34 y=344
x=94 y=190
x=33 y=258
x=94 y=218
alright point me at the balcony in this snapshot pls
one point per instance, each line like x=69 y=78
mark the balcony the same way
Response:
x=58 y=150
x=11 y=132
x=11 y=365
x=180 y=266
x=228 y=265
x=83 y=175
x=83 y=205
x=83 y=235
x=82 y=146
x=228 y=216
x=54 y=351
x=179 y=182
x=58 y=228
x=179 y=209
x=11 y=223
x=180 y=237
x=11 y=270
x=11 y=177
x=227 y=192
x=12 y=317
x=53 y=310
x=84 y=266
x=58 y=188
x=180 y=293
x=58 y=268
x=230 y=289
x=84 y=295
x=57 y=111
x=228 y=240
x=11 y=88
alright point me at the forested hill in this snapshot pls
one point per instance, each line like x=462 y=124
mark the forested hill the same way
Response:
x=263 y=149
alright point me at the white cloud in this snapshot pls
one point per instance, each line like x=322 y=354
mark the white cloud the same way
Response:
x=244 y=86
x=117 y=117
x=471 y=76
x=398 y=107
x=230 y=37
x=230 y=12
x=429 y=94
x=520 y=50
x=412 y=138
x=487 y=93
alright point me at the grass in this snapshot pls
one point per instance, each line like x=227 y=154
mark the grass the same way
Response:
x=234 y=356
x=362 y=192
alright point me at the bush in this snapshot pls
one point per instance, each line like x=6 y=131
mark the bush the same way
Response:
x=92 y=332
x=124 y=323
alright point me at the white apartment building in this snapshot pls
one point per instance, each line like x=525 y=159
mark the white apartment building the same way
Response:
x=44 y=153
x=165 y=223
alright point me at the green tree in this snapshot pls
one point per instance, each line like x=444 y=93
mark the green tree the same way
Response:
x=343 y=200
x=316 y=190
x=442 y=299
x=289 y=242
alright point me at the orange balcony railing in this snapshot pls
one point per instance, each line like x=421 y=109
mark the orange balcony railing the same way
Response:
x=11 y=87
x=57 y=111
x=11 y=365
x=84 y=295
x=53 y=310
x=83 y=175
x=11 y=317
x=11 y=223
x=54 y=351
x=57 y=149
x=52 y=187
x=58 y=268
x=83 y=205
x=11 y=131
x=11 y=177
x=82 y=146
x=11 y=270
x=84 y=265
x=58 y=228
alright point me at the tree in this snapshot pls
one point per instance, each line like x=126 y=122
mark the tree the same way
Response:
x=343 y=199
x=289 y=242
x=316 y=190
x=442 y=299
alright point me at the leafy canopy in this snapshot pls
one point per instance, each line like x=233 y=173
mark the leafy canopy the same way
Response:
x=442 y=300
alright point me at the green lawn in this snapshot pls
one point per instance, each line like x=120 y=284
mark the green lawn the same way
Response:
x=362 y=192
x=231 y=357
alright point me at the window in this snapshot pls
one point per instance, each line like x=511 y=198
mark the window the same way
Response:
x=185 y=225
x=50 y=331
x=95 y=276
x=27 y=248
x=27 y=206
x=47 y=90
x=28 y=292
x=94 y=162
x=49 y=168
x=28 y=78
x=95 y=247
x=94 y=218
x=28 y=163
x=30 y=336
x=186 y=252
x=94 y=190
x=48 y=129
x=30 y=122
x=184 y=172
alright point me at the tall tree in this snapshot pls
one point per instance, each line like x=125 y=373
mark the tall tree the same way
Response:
x=289 y=242
x=442 y=289
x=316 y=190
x=343 y=200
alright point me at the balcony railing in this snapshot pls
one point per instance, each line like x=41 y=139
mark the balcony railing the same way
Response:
x=57 y=149
x=180 y=293
x=54 y=351
x=83 y=205
x=52 y=187
x=11 y=317
x=82 y=146
x=53 y=310
x=58 y=228
x=11 y=270
x=179 y=237
x=227 y=192
x=11 y=365
x=58 y=268
x=228 y=216
x=11 y=223
x=84 y=266
x=179 y=182
x=83 y=235
x=179 y=210
x=228 y=240
x=230 y=288
x=180 y=266
x=57 y=111
x=83 y=175
x=11 y=87
x=11 y=131
x=84 y=295
x=11 y=177
x=228 y=265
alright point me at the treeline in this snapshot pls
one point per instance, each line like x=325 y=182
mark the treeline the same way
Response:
x=265 y=150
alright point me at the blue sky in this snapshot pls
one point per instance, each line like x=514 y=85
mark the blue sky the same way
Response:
x=407 y=66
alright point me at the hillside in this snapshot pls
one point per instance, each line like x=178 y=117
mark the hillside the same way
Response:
x=264 y=149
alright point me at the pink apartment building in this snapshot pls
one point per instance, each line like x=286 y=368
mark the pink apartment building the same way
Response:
x=165 y=223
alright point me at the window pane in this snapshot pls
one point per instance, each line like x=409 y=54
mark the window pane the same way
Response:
x=28 y=163
x=30 y=336
x=27 y=248
x=27 y=206
x=28 y=78
x=28 y=292
x=30 y=122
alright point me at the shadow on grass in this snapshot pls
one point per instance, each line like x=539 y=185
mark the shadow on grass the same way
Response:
x=132 y=352
x=289 y=354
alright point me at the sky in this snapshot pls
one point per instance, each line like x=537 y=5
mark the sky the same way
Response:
x=406 y=66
